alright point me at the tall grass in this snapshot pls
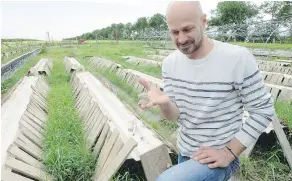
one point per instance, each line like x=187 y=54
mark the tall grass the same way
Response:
x=66 y=155
x=284 y=112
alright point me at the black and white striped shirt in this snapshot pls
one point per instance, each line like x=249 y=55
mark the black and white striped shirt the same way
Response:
x=212 y=94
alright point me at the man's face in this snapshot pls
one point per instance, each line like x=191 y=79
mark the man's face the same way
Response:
x=187 y=39
x=186 y=30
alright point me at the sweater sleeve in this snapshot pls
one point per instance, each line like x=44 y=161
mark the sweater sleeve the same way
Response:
x=257 y=101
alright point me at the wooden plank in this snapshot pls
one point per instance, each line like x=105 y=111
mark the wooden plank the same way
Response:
x=155 y=162
x=85 y=105
x=89 y=111
x=42 y=88
x=29 y=147
x=285 y=95
x=41 y=99
x=116 y=163
x=38 y=113
x=30 y=114
x=248 y=150
x=283 y=141
x=101 y=139
x=94 y=133
x=33 y=124
x=95 y=120
x=23 y=156
x=274 y=92
x=30 y=128
x=36 y=140
x=82 y=101
x=39 y=102
x=28 y=170
x=80 y=96
x=96 y=113
x=10 y=176
x=41 y=92
x=274 y=79
x=105 y=152
x=115 y=150
x=96 y=117
x=34 y=117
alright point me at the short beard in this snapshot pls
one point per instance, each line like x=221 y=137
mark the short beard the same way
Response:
x=193 y=46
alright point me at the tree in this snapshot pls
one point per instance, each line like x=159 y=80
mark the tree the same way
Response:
x=232 y=12
x=141 y=24
x=128 y=28
x=157 y=21
x=279 y=10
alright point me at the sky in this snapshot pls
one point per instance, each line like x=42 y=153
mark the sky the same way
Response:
x=64 y=19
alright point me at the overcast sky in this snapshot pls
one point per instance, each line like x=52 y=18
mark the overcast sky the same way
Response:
x=63 y=19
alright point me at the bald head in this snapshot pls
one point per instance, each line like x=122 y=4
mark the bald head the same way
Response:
x=186 y=23
x=187 y=7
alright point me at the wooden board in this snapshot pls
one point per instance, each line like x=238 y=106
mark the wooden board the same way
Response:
x=101 y=140
x=155 y=162
x=105 y=152
x=10 y=176
x=23 y=156
x=27 y=169
x=283 y=141
x=29 y=147
x=36 y=140
x=115 y=150
x=96 y=130
x=116 y=162
x=31 y=129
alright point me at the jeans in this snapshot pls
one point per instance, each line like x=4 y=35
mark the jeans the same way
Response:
x=191 y=170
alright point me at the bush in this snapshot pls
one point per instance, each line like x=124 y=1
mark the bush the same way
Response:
x=44 y=50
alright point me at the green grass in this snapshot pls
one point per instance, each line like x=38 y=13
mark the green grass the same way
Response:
x=115 y=52
x=265 y=164
x=9 y=83
x=126 y=176
x=264 y=45
x=66 y=155
x=284 y=112
x=169 y=43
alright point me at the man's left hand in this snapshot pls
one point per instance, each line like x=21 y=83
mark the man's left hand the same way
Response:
x=213 y=157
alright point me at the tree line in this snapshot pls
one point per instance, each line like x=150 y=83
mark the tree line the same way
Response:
x=226 y=13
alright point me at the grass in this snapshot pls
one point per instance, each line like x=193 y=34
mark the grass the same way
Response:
x=169 y=43
x=264 y=45
x=66 y=155
x=284 y=112
x=265 y=164
x=21 y=72
x=115 y=52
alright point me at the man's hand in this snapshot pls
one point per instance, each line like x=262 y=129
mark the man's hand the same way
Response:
x=154 y=95
x=213 y=157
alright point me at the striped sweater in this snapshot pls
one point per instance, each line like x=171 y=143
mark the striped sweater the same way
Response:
x=212 y=94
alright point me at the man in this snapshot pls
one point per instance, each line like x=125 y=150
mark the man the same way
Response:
x=207 y=84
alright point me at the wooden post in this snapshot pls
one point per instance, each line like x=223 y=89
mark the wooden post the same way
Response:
x=283 y=141
x=96 y=42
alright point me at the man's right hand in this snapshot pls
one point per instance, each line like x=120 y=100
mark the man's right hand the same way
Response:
x=154 y=95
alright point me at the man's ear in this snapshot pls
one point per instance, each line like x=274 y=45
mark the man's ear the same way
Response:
x=204 y=21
